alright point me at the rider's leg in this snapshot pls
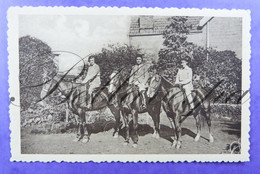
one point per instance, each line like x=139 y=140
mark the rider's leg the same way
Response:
x=89 y=100
x=189 y=97
x=144 y=99
x=142 y=91
x=82 y=96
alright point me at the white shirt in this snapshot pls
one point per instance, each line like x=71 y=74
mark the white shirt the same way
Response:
x=184 y=76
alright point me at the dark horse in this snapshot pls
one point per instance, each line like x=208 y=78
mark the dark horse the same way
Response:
x=130 y=101
x=176 y=106
x=73 y=96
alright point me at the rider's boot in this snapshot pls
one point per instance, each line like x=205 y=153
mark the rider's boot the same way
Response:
x=89 y=101
x=191 y=108
x=143 y=100
x=191 y=103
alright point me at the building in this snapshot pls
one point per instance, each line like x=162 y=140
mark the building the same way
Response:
x=146 y=33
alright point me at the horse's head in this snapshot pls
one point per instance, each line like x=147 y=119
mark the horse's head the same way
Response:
x=114 y=82
x=55 y=83
x=154 y=85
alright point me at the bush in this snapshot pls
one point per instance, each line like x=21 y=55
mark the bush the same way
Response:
x=35 y=56
x=226 y=112
x=115 y=57
x=222 y=65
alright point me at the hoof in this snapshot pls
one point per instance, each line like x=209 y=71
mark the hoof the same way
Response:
x=197 y=138
x=76 y=140
x=134 y=145
x=178 y=146
x=156 y=135
x=211 y=139
x=116 y=135
x=174 y=143
x=85 y=140
x=126 y=143
x=153 y=136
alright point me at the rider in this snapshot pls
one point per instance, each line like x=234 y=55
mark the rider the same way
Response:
x=184 y=78
x=92 y=79
x=139 y=77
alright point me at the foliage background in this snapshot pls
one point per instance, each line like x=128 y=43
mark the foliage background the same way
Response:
x=116 y=57
x=34 y=56
x=221 y=65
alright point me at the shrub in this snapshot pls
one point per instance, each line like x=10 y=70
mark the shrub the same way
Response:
x=222 y=65
x=115 y=57
x=230 y=112
x=35 y=56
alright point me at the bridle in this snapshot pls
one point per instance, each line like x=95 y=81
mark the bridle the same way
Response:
x=155 y=88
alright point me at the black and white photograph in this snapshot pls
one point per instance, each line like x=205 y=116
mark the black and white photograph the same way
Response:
x=151 y=85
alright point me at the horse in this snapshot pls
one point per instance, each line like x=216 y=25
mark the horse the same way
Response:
x=176 y=107
x=130 y=105
x=64 y=89
x=73 y=98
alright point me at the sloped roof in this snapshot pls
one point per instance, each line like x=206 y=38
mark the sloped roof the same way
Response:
x=154 y=25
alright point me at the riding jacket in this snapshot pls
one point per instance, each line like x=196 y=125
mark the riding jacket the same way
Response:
x=139 y=76
x=93 y=77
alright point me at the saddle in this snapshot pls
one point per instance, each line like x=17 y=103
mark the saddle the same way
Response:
x=98 y=92
x=135 y=90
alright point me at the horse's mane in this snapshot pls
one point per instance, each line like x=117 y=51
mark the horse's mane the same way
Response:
x=167 y=83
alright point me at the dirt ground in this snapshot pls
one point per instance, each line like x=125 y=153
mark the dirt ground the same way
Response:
x=224 y=132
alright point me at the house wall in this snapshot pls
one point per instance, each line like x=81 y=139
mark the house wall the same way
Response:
x=149 y=45
x=224 y=34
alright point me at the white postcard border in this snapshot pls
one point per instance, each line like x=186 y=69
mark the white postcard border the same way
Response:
x=13 y=64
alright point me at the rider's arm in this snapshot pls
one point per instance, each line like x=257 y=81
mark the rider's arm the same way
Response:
x=131 y=79
x=146 y=74
x=177 y=81
x=95 y=71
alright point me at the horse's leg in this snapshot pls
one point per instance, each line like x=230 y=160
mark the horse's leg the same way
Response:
x=171 y=118
x=135 y=127
x=79 y=126
x=67 y=112
x=86 y=132
x=86 y=135
x=77 y=123
x=126 y=122
x=155 y=114
x=178 y=129
x=197 y=117
x=79 y=134
x=116 y=112
x=173 y=125
x=208 y=119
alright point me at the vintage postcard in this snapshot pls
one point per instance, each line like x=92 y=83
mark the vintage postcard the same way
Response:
x=129 y=84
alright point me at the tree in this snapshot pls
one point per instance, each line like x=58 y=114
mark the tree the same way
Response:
x=115 y=57
x=35 y=57
x=222 y=64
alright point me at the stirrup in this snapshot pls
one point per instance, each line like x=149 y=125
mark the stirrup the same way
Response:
x=89 y=106
x=144 y=106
